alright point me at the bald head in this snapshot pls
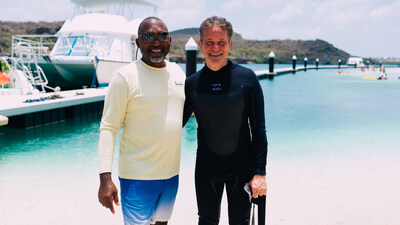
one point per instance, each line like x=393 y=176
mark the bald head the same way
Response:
x=148 y=21
x=153 y=41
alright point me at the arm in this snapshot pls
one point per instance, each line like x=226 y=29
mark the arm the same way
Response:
x=108 y=193
x=114 y=110
x=259 y=139
x=188 y=108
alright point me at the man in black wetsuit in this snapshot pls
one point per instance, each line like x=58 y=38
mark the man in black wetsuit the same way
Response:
x=228 y=103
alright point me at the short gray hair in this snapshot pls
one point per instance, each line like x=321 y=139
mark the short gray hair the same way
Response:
x=216 y=21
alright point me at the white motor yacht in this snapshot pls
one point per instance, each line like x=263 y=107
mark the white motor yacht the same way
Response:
x=88 y=48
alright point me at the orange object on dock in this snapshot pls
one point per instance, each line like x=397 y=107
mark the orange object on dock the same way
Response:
x=4 y=78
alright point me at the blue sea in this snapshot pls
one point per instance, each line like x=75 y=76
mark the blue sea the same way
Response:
x=334 y=153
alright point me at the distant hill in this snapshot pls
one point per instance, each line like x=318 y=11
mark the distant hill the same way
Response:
x=243 y=51
x=7 y=29
x=255 y=51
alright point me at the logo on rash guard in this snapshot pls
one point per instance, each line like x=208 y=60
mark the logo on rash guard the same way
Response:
x=216 y=87
x=178 y=83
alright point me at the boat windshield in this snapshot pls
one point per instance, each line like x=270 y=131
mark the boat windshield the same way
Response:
x=83 y=46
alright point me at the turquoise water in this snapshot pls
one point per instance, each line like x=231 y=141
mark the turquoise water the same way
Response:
x=314 y=119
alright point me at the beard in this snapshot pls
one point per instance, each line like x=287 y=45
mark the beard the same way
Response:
x=156 y=59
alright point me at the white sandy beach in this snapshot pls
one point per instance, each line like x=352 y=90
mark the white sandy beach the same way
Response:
x=315 y=191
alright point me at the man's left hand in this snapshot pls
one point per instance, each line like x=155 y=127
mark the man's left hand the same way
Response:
x=258 y=185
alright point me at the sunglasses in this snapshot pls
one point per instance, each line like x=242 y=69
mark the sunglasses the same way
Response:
x=149 y=37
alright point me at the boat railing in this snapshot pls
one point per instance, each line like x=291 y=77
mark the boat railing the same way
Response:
x=25 y=51
x=16 y=81
x=39 y=45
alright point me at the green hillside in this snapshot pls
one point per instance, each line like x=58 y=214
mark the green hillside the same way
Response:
x=14 y=28
x=255 y=51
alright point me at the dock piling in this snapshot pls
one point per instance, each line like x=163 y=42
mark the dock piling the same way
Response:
x=191 y=56
x=316 y=63
x=294 y=58
x=305 y=63
x=271 y=61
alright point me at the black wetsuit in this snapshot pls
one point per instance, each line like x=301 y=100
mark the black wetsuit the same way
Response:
x=228 y=104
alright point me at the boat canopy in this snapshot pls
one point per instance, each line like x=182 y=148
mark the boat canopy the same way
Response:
x=98 y=23
x=98 y=3
x=117 y=7
x=99 y=35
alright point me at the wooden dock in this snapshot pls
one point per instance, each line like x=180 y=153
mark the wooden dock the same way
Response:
x=281 y=71
x=24 y=111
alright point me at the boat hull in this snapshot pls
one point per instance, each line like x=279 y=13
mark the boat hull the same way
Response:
x=68 y=75
x=75 y=75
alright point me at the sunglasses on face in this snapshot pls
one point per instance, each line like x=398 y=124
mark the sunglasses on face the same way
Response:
x=149 y=37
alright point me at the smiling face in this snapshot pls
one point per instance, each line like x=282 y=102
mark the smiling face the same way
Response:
x=154 y=52
x=215 y=47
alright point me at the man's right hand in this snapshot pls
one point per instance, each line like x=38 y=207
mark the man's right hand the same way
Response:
x=108 y=193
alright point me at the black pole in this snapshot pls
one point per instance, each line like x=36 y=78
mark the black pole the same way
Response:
x=191 y=62
x=294 y=58
x=191 y=57
x=316 y=63
x=305 y=63
x=262 y=210
x=339 y=63
x=271 y=62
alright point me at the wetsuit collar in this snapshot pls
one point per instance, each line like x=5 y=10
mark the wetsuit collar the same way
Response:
x=224 y=69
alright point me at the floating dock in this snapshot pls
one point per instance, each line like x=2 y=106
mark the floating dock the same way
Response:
x=261 y=74
x=25 y=111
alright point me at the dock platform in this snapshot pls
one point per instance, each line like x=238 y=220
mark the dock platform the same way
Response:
x=24 y=111
x=261 y=74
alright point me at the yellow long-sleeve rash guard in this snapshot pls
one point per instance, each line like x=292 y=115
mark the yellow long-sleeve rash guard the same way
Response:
x=150 y=102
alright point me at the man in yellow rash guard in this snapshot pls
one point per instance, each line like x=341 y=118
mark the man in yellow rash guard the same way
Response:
x=148 y=95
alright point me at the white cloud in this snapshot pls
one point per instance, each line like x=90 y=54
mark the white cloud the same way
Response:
x=288 y=13
x=182 y=14
x=232 y=5
x=341 y=12
x=386 y=11
x=264 y=5
x=36 y=10
x=382 y=12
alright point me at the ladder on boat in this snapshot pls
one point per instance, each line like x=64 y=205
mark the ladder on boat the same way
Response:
x=33 y=71
x=27 y=52
x=19 y=83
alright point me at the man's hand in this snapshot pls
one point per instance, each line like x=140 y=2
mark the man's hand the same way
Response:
x=258 y=185
x=108 y=193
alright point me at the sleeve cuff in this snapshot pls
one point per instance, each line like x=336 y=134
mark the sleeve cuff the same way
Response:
x=260 y=169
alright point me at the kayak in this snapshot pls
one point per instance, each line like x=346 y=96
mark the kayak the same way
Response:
x=374 y=78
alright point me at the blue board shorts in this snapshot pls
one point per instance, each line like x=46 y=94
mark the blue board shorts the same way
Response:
x=148 y=201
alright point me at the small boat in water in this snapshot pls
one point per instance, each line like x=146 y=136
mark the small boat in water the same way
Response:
x=355 y=61
x=87 y=49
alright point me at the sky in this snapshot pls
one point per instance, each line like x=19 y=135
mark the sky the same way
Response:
x=366 y=28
